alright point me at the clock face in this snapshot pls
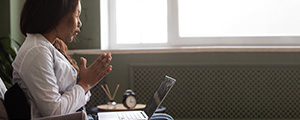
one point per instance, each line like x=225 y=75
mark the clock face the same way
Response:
x=130 y=101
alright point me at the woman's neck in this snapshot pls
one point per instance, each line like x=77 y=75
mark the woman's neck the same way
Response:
x=51 y=36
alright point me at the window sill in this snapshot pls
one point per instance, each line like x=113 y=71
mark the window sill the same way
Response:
x=190 y=50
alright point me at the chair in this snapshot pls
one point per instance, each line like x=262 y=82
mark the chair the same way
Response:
x=4 y=116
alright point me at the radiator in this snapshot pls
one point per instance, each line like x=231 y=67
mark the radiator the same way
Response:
x=223 y=91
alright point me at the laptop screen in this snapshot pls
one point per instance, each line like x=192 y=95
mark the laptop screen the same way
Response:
x=159 y=95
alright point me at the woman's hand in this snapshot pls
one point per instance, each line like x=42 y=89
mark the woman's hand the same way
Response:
x=89 y=77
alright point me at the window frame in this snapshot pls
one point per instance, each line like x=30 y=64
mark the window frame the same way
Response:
x=174 y=40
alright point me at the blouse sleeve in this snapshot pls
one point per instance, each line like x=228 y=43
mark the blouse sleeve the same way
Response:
x=37 y=72
x=87 y=96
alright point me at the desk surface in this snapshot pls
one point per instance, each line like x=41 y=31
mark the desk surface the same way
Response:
x=95 y=109
x=120 y=107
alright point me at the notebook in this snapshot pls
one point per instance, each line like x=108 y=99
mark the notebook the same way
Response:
x=152 y=104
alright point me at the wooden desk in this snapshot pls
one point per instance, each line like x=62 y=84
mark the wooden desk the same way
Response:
x=120 y=107
x=103 y=108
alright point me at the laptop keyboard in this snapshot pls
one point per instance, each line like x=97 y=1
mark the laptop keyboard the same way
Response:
x=131 y=116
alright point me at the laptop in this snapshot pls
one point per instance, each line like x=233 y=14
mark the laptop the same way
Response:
x=153 y=103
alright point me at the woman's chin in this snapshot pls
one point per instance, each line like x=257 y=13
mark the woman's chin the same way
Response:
x=71 y=39
x=68 y=40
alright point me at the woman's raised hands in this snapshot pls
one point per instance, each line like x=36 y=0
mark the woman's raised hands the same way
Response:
x=91 y=75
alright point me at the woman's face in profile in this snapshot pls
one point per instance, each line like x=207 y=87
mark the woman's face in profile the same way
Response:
x=70 y=25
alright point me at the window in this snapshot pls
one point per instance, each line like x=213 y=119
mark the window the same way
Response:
x=169 y=23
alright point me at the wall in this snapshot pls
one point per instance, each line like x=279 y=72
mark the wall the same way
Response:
x=122 y=62
x=5 y=18
x=90 y=17
x=15 y=13
x=10 y=11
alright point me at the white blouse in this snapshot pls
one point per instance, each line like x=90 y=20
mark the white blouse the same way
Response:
x=47 y=78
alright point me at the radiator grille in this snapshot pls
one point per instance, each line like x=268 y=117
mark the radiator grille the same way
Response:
x=227 y=92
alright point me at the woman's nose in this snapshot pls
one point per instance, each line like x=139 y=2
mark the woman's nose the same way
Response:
x=79 y=23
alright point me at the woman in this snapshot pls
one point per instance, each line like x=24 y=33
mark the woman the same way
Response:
x=42 y=68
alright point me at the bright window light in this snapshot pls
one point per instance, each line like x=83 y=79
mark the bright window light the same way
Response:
x=141 y=21
x=223 y=18
x=189 y=23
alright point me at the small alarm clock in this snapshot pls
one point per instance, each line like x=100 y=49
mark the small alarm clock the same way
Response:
x=129 y=99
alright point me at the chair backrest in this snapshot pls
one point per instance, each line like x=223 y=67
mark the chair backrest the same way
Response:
x=3 y=113
x=16 y=103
